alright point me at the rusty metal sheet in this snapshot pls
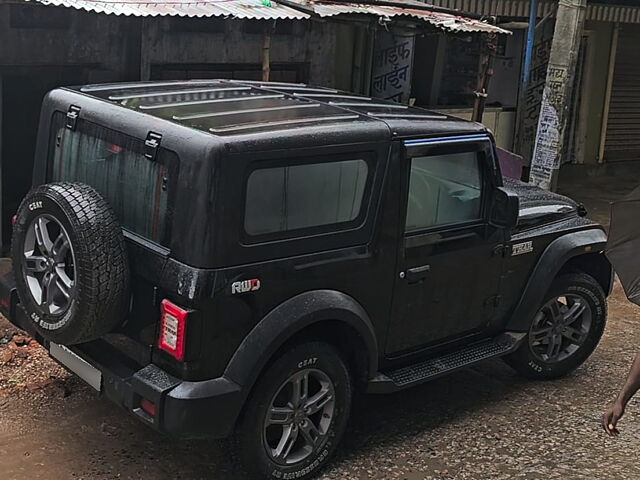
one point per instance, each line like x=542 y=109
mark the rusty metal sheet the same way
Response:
x=450 y=22
x=248 y=9
x=520 y=8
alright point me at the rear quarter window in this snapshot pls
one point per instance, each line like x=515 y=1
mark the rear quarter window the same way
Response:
x=289 y=200
x=138 y=189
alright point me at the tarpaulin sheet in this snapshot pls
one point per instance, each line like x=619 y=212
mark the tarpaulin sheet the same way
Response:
x=623 y=245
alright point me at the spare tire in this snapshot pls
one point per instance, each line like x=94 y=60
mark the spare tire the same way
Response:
x=70 y=263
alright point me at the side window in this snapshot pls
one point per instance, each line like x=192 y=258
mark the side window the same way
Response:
x=298 y=197
x=444 y=189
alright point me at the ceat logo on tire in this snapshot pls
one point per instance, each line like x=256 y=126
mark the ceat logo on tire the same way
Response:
x=245 y=286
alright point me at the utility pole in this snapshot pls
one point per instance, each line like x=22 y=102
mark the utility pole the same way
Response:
x=552 y=124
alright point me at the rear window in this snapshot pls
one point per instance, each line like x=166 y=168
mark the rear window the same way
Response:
x=114 y=164
x=302 y=197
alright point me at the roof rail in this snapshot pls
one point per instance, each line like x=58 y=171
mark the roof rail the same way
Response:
x=302 y=89
x=245 y=98
x=164 y=93
x=331 y=95
x=243 y=111
x=407 y=115
x=370 y=105
x=251 y=126
x=126 y=86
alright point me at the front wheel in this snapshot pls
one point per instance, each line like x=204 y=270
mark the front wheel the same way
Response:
x=565 y=330
x=296 y=414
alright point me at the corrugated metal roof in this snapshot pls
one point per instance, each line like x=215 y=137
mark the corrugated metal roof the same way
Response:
x=253 y=9
x=520 y=8
x=451 y=22
x=294 y=9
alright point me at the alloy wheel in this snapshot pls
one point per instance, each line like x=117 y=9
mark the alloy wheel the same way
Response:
x=560 y=328
x=49 y=265
x=299 y=417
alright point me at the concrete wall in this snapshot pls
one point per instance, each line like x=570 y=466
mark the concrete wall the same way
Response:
x=110 y=47
x=100 y=42
x=310 y=42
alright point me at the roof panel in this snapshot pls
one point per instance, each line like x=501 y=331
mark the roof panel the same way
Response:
x=234 y=107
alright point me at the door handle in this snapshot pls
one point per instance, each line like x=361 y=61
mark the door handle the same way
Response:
x=417 y=274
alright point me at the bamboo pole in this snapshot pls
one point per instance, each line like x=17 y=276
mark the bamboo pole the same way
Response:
x=489 y=46
x=266 y=51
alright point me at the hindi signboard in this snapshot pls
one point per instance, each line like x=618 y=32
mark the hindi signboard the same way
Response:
x=392 y=67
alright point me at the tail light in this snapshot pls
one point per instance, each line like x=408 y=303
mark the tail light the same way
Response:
x=148 y=406
x=173 y=321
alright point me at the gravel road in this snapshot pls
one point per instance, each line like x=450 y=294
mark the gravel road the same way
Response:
x=481 y=423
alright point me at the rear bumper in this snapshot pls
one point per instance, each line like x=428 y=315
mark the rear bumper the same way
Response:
x=186 y=409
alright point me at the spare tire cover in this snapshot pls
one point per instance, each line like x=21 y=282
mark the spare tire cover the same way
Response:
x=70 y=263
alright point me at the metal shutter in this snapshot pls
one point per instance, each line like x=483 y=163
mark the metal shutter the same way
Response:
x=623 y=128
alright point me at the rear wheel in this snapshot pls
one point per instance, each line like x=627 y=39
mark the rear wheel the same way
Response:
x=296 y=414
x=565 y=330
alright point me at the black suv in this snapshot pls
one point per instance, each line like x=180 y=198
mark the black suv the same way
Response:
x=229 y=257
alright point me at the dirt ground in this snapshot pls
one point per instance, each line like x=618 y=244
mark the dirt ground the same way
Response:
x=480 y=423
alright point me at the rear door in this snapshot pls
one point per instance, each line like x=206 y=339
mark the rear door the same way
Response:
x=140 y=191
x=450 y=259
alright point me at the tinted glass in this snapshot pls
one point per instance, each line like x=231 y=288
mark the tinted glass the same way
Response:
x=444 y=189
x=296 y=197
x=135 y=187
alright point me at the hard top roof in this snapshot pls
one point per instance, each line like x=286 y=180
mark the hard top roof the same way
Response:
x=235 y=107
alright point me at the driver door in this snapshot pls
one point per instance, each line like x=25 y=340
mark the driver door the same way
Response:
x=450 y=259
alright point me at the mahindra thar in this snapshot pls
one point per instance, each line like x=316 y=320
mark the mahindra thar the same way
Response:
x=237 y=259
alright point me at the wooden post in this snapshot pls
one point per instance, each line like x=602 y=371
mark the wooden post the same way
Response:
x=145 y=45
x=607 y=95
x=266 y=50
x=146 y=29
x=489 y=47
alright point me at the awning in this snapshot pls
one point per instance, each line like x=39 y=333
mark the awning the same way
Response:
x=253 y=9
x=447 y=21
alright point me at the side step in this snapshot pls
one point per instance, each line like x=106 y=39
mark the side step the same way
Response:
x=425 y=370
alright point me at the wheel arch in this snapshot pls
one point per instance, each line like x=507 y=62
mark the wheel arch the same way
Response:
x=326 y=315
x=582 y=251
x=596 y=265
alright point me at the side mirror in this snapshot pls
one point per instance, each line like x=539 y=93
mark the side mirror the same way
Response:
x=505 y=208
